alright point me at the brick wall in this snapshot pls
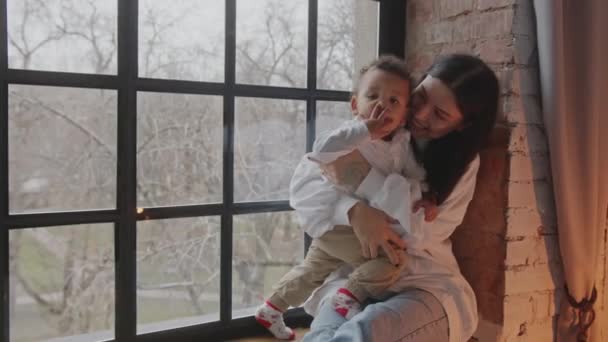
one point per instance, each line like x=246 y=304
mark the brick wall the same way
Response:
x=507 y=245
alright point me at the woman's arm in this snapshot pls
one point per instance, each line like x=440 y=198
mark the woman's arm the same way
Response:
x=320 y=206
x=373 y=230
x=372 y=226
x=318 y=203
x=394 y=196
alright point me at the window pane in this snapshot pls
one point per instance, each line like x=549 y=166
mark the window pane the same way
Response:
x=62 y=282
x=62 y=148
x=270 y=139
x=266 y=246
x=178 y=272
x=347 y=40
x=182 y=39
x=271 y=42
x=62 y=35
x=179 y=153
x=331 y=114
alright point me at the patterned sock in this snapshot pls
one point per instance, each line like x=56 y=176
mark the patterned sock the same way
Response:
x=271 y=318
x=345 y=303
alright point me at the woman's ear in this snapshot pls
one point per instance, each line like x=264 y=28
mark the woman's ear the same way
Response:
x=353 y=105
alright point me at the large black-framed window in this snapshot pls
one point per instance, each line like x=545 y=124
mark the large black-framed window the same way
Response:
x=129 y=91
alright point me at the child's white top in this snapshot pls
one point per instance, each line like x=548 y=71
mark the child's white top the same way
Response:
x=385 y=157
x=392 y=156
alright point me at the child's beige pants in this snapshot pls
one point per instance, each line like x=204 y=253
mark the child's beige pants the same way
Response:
x=370 y=278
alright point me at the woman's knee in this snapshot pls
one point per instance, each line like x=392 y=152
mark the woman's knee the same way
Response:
x=375 y=320
x=400 y=318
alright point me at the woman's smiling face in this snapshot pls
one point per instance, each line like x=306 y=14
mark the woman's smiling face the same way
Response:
x=433 y=110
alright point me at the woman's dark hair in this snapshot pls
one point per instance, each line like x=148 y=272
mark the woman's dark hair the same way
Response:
x=475 y=88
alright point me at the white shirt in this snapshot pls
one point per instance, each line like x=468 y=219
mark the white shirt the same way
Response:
x=385 y=157
x=431 y=265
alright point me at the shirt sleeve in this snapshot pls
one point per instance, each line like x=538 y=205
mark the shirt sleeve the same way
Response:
x=318 y=204
x=331 y=145
x=394 y=194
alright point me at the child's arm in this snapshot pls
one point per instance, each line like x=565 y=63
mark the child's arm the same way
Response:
x=318 y=203
x=330 y=145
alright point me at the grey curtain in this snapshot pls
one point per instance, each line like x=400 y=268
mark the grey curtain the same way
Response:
x=573 y=55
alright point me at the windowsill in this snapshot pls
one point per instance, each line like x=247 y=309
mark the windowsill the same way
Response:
x=189 y=322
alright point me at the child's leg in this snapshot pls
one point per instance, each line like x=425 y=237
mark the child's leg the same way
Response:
x=299 y=283
x=370 y=279
x=294 y=288
x=271 y=318
x=374 y=277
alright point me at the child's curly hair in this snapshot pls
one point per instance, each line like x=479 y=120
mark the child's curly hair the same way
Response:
x=389 y=63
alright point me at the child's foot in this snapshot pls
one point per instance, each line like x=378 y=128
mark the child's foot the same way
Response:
x=271 y=318
x=345 y=303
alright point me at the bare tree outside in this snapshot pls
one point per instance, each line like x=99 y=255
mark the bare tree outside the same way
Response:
x=182 y=39
x=62 y=156
x=272 y=42
x=178 y=270
x=65 y=281
x=330 y=114
x=43 y=35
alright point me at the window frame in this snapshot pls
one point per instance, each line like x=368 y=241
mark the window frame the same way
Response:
x=127 y=83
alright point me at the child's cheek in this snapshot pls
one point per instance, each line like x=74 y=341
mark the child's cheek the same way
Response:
x=365 y=113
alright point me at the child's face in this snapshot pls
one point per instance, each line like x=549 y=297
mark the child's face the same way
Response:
x=389 y=90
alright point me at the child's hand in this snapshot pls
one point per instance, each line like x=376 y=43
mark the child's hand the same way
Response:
x=430 y=209
x=377 y=122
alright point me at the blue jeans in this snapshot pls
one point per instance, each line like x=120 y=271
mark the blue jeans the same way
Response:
x=413 y=315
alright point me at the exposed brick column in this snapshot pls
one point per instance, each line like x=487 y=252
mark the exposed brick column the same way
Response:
x=507 y=245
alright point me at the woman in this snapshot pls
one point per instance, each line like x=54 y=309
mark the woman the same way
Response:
x=452 y=113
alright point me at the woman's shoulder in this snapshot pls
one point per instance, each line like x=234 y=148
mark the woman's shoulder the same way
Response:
x=474 y=164
x=466 y=185
x=470 y=175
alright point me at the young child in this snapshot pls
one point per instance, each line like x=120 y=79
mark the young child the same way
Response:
x=379 y=105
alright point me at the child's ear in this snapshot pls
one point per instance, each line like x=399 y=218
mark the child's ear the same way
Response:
x=353 y=105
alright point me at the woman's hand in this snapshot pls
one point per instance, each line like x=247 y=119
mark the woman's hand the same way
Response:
x=372 y=228
x=347 y=171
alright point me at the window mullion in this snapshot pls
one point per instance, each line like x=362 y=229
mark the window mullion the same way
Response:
x=311 y=83
x=311 y=73
x=125 y=238
x=228 y=168
x=4 y=233
x=391 y=30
